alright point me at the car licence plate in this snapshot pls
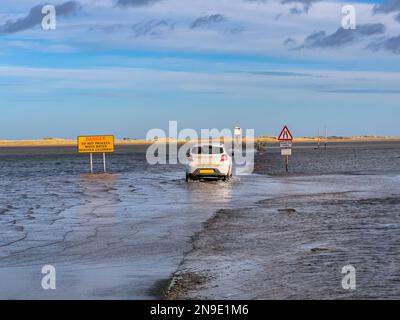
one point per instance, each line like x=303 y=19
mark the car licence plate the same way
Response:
x=206 y=171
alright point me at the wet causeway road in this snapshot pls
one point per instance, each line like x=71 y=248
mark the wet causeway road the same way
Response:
x=115 y=236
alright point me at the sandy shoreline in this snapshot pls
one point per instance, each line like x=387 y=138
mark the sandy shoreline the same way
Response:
x=58 y=142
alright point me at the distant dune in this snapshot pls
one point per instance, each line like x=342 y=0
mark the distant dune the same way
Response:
x=59 y=142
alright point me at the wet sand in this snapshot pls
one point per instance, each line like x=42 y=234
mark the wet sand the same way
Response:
x=294 y=243
x=294 y=247
x=123 y=235
x=119 y=235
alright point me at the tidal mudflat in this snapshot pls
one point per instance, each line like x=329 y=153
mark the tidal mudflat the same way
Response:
x=338 y=207
x=124 y=234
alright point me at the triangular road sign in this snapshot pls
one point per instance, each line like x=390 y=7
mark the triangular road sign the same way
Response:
x=285 y=135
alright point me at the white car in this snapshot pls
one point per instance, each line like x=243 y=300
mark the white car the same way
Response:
x=209 y=160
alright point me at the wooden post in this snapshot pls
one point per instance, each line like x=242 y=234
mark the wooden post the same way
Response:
x=104 y=162
x=91 y=163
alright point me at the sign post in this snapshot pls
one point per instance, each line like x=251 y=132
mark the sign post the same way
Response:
x=286 y=139
x=237 y=138
x=287 y=163
x=96 y=144
x=91 y=163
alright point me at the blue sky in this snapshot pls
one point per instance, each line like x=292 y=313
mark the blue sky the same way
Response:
x=127 y=66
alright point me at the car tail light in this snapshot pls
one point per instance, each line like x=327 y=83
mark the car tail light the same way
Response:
x=224 y=157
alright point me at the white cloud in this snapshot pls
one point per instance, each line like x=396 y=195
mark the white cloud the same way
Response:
x=261 y=31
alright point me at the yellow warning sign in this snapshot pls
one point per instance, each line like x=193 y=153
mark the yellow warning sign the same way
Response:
x=96 y=144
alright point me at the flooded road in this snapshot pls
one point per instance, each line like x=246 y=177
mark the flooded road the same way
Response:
x=109 y=236
x=336 y=208
x=122 y=235
x=293 y=245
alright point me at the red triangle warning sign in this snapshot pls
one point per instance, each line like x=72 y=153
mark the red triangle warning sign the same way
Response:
x=285 y=135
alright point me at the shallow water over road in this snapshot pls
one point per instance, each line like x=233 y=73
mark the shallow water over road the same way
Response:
x=116 y=235
x=108 y=235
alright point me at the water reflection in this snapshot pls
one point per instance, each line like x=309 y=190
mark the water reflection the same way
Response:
x=209 y=193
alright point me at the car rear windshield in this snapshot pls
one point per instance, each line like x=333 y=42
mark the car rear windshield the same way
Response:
x=207 y=150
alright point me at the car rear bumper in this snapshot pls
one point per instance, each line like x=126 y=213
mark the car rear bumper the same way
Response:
x=206 y=173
